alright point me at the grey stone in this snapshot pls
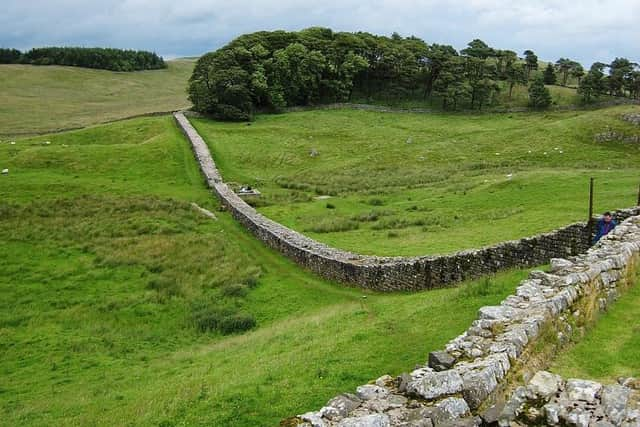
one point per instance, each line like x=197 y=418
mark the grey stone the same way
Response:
x=441 y=360
x=491 y=415
x=371 y=420
x=585 y=390
x=614 y=402
x=545 y=384
x=578 y=417
x=552 y=413
x=454 y=407
x=370 y=391
x=340 y=406
x=436 y=384
x=314 y=418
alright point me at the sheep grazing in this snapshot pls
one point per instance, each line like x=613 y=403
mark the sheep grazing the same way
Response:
x=5 y=171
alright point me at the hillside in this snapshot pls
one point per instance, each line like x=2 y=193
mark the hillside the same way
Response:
x=413 y=184
x=39 y=99
x=105 y=264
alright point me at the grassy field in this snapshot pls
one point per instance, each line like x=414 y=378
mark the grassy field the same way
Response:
x=411 y=184
x=611 y=349
x=113 y=285
x=38 y=99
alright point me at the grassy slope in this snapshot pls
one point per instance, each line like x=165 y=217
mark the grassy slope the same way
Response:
x=45 y=99
x=90 y=222
x=611 y=349
x=445 y=190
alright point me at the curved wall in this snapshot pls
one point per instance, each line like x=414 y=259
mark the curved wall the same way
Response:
x=389 y=273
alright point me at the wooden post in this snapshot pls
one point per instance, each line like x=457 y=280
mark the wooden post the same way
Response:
x=590 y=220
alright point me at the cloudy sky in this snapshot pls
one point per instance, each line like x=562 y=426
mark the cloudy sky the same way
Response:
x=585 y=30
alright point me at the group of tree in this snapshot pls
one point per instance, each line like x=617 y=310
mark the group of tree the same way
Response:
x=101 y=58
x=622 y=80
x=271 y=70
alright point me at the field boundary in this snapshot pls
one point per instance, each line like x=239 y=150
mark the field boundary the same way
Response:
x=469 y=381
x=390 y=273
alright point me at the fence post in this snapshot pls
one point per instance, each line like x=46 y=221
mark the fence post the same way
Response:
x=590 y=220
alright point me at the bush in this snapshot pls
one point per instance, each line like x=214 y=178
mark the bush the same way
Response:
x=330 y=206
x=234 y=290
x=333 y=225
x=210 y=317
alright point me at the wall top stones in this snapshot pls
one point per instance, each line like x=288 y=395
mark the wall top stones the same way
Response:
x=458 y=381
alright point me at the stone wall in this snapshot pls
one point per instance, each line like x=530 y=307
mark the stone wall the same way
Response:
x=388 y=273
x=466 y=382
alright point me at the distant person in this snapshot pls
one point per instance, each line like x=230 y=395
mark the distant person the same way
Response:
x=604 y=227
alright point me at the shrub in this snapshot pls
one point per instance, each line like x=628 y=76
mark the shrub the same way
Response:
x=333 y=225
x=234 y=290
x=330 y=206
x=210 y=317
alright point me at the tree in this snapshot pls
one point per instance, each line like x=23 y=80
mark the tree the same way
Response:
x=549 y=75
x=566 y=66
x=577 y=72
x=593 y=84
x=539 y=96
x=619 y=71
x=531 y=62
x=478 y=49
x=515 y=74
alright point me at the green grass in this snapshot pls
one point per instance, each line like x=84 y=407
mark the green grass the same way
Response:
x=104 y=263
x=611 y=349
x=412 y=184
x=38 y=99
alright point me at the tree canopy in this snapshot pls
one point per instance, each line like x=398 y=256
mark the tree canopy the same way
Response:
x=267 y=71
x=89 y=57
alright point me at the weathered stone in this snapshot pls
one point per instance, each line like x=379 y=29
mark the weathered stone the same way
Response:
x=371 y=420
x=614 y=402
x=491 y=415
x=436 y=384
x=584 y=390
x=545 y=384
x=578 y=417
x=552 y=413
x=314 y=418
x=340 y=406
x=441 y=360
x=370 y=391
x=559 y=265
x=454 y=407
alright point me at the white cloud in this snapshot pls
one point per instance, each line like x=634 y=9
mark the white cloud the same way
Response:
x=586 y=31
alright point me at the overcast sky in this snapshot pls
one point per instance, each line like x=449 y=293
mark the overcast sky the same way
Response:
x=585 y=30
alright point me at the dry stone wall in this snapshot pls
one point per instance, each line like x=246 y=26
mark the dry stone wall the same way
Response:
x=463 y=383
x=388 y=273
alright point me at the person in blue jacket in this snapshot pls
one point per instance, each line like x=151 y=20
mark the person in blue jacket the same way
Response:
x=604 y=226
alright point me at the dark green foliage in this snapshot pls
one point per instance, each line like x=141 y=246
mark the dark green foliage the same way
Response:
x=539 y=96
x=95 y=57
x=549 y=75
x=10 y=56
x=268 y=71
x=209 y=316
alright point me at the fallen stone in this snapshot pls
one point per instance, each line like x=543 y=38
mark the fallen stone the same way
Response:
x=441 y=360
x=544 y=384
x=491 y=415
